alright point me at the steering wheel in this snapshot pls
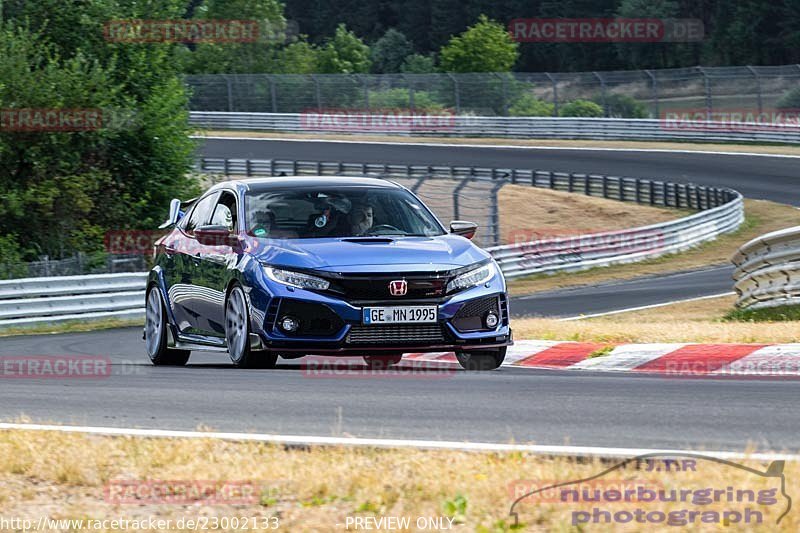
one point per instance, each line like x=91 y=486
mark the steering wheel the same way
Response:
x=384 y=227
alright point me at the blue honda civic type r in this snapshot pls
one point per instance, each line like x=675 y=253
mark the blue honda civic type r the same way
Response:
x=293 y=266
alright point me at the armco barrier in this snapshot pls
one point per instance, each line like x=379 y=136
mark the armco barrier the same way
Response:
x=511 y=127
x=768 y=270
x=32 y=301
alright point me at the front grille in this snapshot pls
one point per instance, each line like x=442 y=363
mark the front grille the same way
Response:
x=372 y=287
x=396 y=334
x=470 y=316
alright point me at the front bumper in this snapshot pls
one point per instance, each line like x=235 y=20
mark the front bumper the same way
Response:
x=339 y=330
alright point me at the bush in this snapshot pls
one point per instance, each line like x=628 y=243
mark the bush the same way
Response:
x=528 y=105
x=622 y=106
x=398 y=98
x=581 y=108
x=790 y=100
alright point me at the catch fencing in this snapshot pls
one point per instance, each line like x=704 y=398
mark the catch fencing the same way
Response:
x=647 y=93
x=768 y=270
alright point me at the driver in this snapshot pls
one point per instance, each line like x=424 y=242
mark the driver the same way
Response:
x=360 y=218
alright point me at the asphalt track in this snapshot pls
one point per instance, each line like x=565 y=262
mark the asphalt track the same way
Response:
x=523 y=405
x=607 y=297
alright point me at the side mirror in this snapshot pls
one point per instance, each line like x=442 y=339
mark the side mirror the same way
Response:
x=463 y=228
x=175 y=214
x=214 y=235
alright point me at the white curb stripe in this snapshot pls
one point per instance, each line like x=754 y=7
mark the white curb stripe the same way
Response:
x=593 y=451
x=627 y=357
x=776 y=360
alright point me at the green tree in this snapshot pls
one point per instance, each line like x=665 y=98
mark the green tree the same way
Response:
x=527 y=105
x=418 y=64
x=484 y=47
x=345 y=53
x=390 y=51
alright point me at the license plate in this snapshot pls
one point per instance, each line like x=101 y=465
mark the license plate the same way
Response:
x=415 y=314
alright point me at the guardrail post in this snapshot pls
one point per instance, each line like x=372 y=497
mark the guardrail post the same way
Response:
x=229 y=86
x=457 y=192
x=621 y=191
x=652 y=192
x=494 y=213
x=709 y=103
x=555 y=93
x=225 y=166
x=504 y=83
x=550 y=181
x=247 y=171
x=273 y=92
x=654 y=90
x=317 y=92
x=758 y=86
x=570 y=178
x=602 y=92
x=456 y=93
x=605 y=186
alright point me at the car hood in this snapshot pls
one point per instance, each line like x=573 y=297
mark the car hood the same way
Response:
x=380 y=254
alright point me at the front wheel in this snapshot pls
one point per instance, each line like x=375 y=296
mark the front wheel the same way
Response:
x=237 y=334
x=155 y=333
x=482 y=359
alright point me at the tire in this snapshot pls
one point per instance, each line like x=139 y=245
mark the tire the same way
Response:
x=155 y=333
x=482 y=360
x=237 y=334
x=382 y=362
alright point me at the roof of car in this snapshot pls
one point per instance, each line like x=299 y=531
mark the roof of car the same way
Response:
x=288 y=182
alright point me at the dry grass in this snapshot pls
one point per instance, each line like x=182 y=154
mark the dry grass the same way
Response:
x=528 y=214
x=71 y=327
x=559 y=143
x=317 y=489
x=762 y=217
x=697 y=322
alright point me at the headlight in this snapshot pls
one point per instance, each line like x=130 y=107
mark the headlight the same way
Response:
x=473 y=277
x=296 y=279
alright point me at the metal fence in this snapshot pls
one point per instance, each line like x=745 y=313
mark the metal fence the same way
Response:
x=768 y=270
x=654 y=92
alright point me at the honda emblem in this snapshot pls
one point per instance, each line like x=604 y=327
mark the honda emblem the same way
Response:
x=398 y=287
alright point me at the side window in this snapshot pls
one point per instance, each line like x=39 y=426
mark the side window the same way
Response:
x=201 y=213
x=225 y=211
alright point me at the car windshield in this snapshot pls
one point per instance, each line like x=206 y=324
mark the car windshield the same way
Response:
x=341 y=212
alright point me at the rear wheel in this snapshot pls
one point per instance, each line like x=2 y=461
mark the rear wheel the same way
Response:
x=155 y=333
x=237 y=334
x=482 y=359
x=381 y=362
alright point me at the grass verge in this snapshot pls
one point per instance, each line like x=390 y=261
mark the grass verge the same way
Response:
x=761 y=217
x=73 y=326
x=71 y=476
x=701 y=321
x=782 y=313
